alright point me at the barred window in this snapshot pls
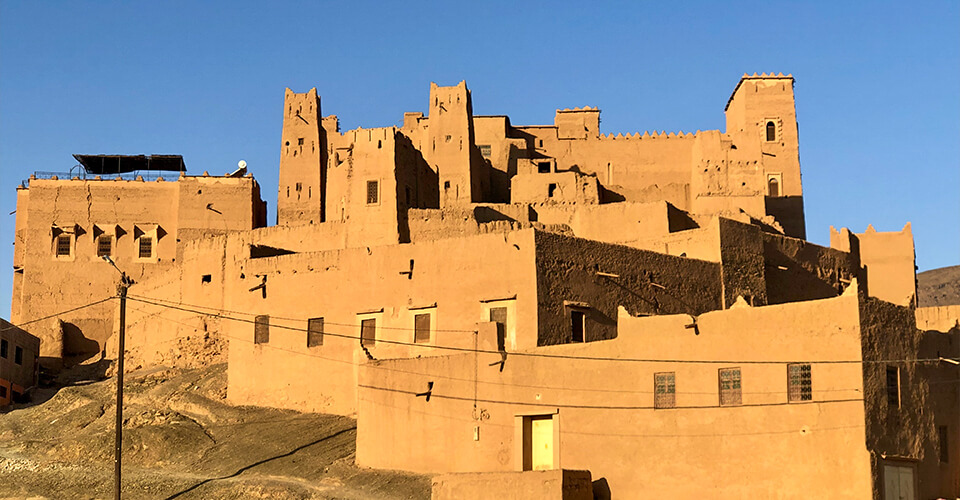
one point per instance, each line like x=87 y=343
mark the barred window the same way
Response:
x=373 y=192
x=63 y=245
x=664 y=390
x=314 y=332
x=421 y=326
x=799 y=382
x=104 y=245
x=484 y=150
x=261 y=329
x=893 y=386
x=146 y=247
x=730 y=386
x=368 y=332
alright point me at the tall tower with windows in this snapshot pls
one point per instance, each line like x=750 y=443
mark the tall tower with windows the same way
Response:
x=303 y=155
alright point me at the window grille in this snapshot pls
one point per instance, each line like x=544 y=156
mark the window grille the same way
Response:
x=63 y=246
x=421 y=327
x=368 y=332
x=799 y=382
x=664 y=390
x=373 y=192
x=314 y=332
x=104 y=246
x=261 y=329
x=146 y=247
x=484 y=150
x=730 y=386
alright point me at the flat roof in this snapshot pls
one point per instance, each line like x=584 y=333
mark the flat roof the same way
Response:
x=118 y=164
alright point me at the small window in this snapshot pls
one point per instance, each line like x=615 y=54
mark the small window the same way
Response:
x=541 y=143
x=63 y=245
x=773 y=187
x=578 y=325
x=104 y=245
x=261 y=329
x=664 y=390
x=406 y=190
x=373 y=192
x=730 y=387
x=3 y=392
x=300 y=141
x=446 y=184
x=551 y=189
x=771 y=131
x=944 y=435
x=18 y=355
x=484 y=150
x=447 y=138
x=206 y=278
x=298 y=187
x=368 y=332
x=893 y=386
x=543 y=167
x=4 y=346
x=498 y=315
x=799 y=383
x=314 y=332
x=146 y=247
x=421 y=327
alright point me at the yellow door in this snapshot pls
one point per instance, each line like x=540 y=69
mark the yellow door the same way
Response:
x=542 y=442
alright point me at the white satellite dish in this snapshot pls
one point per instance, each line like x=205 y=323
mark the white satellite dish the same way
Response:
x=242 y=164
x=240 y=171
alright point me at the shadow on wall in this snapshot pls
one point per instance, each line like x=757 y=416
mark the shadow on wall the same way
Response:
x=601 y=490
x=77 y=348
x=608 y=196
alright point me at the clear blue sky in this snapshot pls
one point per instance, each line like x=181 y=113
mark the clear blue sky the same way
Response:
x=878 y=85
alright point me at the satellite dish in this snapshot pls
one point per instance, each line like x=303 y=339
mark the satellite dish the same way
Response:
x=242 y=164
x=240 y=171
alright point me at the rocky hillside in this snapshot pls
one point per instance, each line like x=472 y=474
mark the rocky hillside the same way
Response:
x=939 y=287
x=181 y=440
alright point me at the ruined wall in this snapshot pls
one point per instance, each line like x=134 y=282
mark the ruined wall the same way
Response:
x=940 y=318
x=799 y=270
x=558 y=187
x=890 y=263
x=644 y=282
x=390 y=284
x=470 y=424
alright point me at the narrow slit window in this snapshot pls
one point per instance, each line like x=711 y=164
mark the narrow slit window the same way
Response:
x=421 y=327
x=368 y=332
x=578 y=323
x=373 y=192
x=146 y=247
x=893 y=386
x=771 y=131
x=664 y=390
x=63 y=245
x=261 y=329
x=4 y=346
x=730 y=387
x=944 y=435
x=314 y=332
x=799 y=382
x=18 y=355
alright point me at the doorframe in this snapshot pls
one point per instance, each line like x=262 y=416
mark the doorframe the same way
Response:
x=899 y=462
x=519 y=418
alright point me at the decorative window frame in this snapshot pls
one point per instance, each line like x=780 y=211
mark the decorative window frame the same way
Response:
x=153 y=231
x=778 y=176
x=366 y=188
x=56 y=231
x=778 y=128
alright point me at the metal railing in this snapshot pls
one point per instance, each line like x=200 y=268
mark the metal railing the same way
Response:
x=79 y=172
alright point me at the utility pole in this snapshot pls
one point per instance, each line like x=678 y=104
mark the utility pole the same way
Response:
x=122 y=287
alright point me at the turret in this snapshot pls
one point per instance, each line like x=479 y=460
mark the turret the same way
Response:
x=302 y=160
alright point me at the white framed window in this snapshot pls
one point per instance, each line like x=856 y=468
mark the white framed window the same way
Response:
x=774 y=184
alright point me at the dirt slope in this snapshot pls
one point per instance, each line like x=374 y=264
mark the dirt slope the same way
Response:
x=181 y=440
x=939 y=287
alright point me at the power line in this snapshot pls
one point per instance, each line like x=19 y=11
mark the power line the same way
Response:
x=54 y=315
x=536 y=354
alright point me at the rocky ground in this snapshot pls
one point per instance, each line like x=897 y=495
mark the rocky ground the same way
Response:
x=939 y=287
x=181 y=440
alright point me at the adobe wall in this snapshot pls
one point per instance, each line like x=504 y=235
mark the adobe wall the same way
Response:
x=613 y=431
x=645 y=283
x=192 y=207
x=385 y=286
x=303 y=155
x=939 y=318
x=798 y=270
x=16 y=377
x=545 y=484
x=905 y=432
x=890 y=263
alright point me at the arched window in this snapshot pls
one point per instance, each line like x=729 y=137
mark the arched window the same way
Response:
x=773 y=187
x=771 y=132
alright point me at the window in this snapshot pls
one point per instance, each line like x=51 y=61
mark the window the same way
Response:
x=421 y=327
x=893 y=386
x=3 y=392
x=300 y=141
x=146 y=247
x=261 y=329
x=543 y=167
x=373 y=192
x=773 y=187
x=484 y=150
x=368 y=332
x=730 y=386
x=799 y=383
x=551 y=189
x=18 y=355
x=664 y=390
x=63 y=245
x=771 y=131
x=104 y=245
x=3 y=348
x=944 y=435
x=206 y=278
x=498 y=315
x=314 y=332
x=578 y=325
